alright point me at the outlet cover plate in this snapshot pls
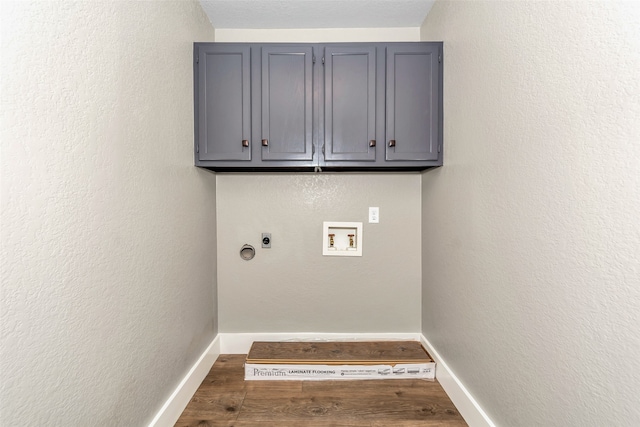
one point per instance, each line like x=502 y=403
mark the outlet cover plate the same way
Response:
x=374 y=215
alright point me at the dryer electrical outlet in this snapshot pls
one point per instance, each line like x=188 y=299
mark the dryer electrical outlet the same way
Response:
x=266 y=240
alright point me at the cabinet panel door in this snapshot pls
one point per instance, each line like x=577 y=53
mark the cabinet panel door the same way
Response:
x=412 y=102
x=350 y=103
x=287 y=96
x=224 y=120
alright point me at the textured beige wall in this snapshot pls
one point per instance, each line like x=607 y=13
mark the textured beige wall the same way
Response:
x=292 y=287
x=531 y=230
x=108 y=231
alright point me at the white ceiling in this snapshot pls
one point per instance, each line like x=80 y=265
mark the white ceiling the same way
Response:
x=316 y=13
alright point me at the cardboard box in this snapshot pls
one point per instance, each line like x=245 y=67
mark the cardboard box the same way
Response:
x=270 y=372
x=329 y=360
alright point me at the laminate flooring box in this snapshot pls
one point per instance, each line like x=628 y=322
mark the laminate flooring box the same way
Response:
x=330 y=360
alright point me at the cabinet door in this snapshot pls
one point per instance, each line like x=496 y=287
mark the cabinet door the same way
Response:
x=223 y=103
x=287 y=100
x=412 y=102
x=350 y=103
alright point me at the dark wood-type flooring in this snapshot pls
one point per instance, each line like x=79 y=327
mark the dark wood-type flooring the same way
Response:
x=225 y=399
x=329 y=352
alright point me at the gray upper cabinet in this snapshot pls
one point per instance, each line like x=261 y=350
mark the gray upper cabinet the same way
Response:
x=287 y=103
x=413 y=103
x=350 y=104
x=337 y=106
x=223 y=119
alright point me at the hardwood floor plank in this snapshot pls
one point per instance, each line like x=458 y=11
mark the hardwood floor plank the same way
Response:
x=309 y=423
x=205 y=423
x=224 y=399
x=305 y=423
x=342 y=409
x=398 y=423
x=380 y=388
x=218 y=406
x=331 y=352
x=359 y=384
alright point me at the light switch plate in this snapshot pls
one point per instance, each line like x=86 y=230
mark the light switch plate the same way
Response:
x=374 y=215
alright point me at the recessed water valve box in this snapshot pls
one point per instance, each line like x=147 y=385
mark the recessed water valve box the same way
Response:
x=342 y=238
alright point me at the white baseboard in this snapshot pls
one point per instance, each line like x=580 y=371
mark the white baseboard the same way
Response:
x=457 y=392
x=240 y=343
x=173 y=407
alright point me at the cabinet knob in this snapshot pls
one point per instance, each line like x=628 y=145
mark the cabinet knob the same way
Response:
x=372 y=143
x=265 y=142
x=245 y=142
x=392 y=143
